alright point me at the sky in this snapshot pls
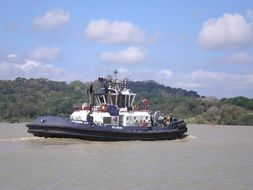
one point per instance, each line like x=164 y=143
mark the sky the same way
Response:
x=205 y=46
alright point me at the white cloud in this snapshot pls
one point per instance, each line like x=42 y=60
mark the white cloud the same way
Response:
x=45 y=54
x=207 y=75
x=215 y=80
x=190 y=85
x=28 y=65
x=29 y=68
x=240 y=57
x=52 y=19
x=219 y=84
x=165 y=73
x=12 y=56
x=129 y=55
x=228 y=31
x=106 y=31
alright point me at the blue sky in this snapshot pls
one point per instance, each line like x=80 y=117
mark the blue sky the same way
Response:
x=206 y=46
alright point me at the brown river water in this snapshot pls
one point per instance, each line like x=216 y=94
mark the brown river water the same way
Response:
x=210 y=157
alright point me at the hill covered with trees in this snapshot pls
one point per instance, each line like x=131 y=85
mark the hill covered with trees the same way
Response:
x=24 y=99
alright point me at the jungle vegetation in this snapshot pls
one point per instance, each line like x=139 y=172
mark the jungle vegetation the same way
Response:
x=24 y=99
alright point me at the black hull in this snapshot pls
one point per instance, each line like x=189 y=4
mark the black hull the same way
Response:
x=58 y=127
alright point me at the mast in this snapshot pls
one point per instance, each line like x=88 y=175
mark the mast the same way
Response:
x=115 y=78
x=115 y=73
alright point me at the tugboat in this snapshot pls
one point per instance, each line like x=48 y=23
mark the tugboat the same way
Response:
x=111 y=115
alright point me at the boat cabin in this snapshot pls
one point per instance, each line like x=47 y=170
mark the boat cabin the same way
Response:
x=113 y=105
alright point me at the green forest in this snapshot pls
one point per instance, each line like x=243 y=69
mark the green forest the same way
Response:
x=24 y=99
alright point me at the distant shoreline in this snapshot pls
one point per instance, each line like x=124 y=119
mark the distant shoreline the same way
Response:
x=24 y=99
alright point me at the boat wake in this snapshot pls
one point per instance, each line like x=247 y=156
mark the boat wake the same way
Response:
x=191 y=137
x=20 y=139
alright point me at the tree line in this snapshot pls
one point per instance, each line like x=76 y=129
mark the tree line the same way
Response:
x=24 y=99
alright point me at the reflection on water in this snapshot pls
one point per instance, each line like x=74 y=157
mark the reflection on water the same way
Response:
x=210 y=157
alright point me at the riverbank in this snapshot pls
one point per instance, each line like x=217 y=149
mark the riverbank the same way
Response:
x=24 y=99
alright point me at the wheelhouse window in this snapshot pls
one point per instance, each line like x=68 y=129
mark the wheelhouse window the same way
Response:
x=101 y=99
x=126 y=100
x=113 y=99
x=122 y=102
x=131 y=99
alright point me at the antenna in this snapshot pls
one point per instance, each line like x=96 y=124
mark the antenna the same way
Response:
x=115 y=73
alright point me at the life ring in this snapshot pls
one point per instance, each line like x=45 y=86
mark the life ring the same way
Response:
x=137 y=107
x=145 y=101
x=103 y=108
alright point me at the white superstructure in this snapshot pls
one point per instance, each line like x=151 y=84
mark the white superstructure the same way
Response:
x=112 y=105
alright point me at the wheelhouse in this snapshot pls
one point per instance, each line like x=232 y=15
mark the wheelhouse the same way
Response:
x=110 y=96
